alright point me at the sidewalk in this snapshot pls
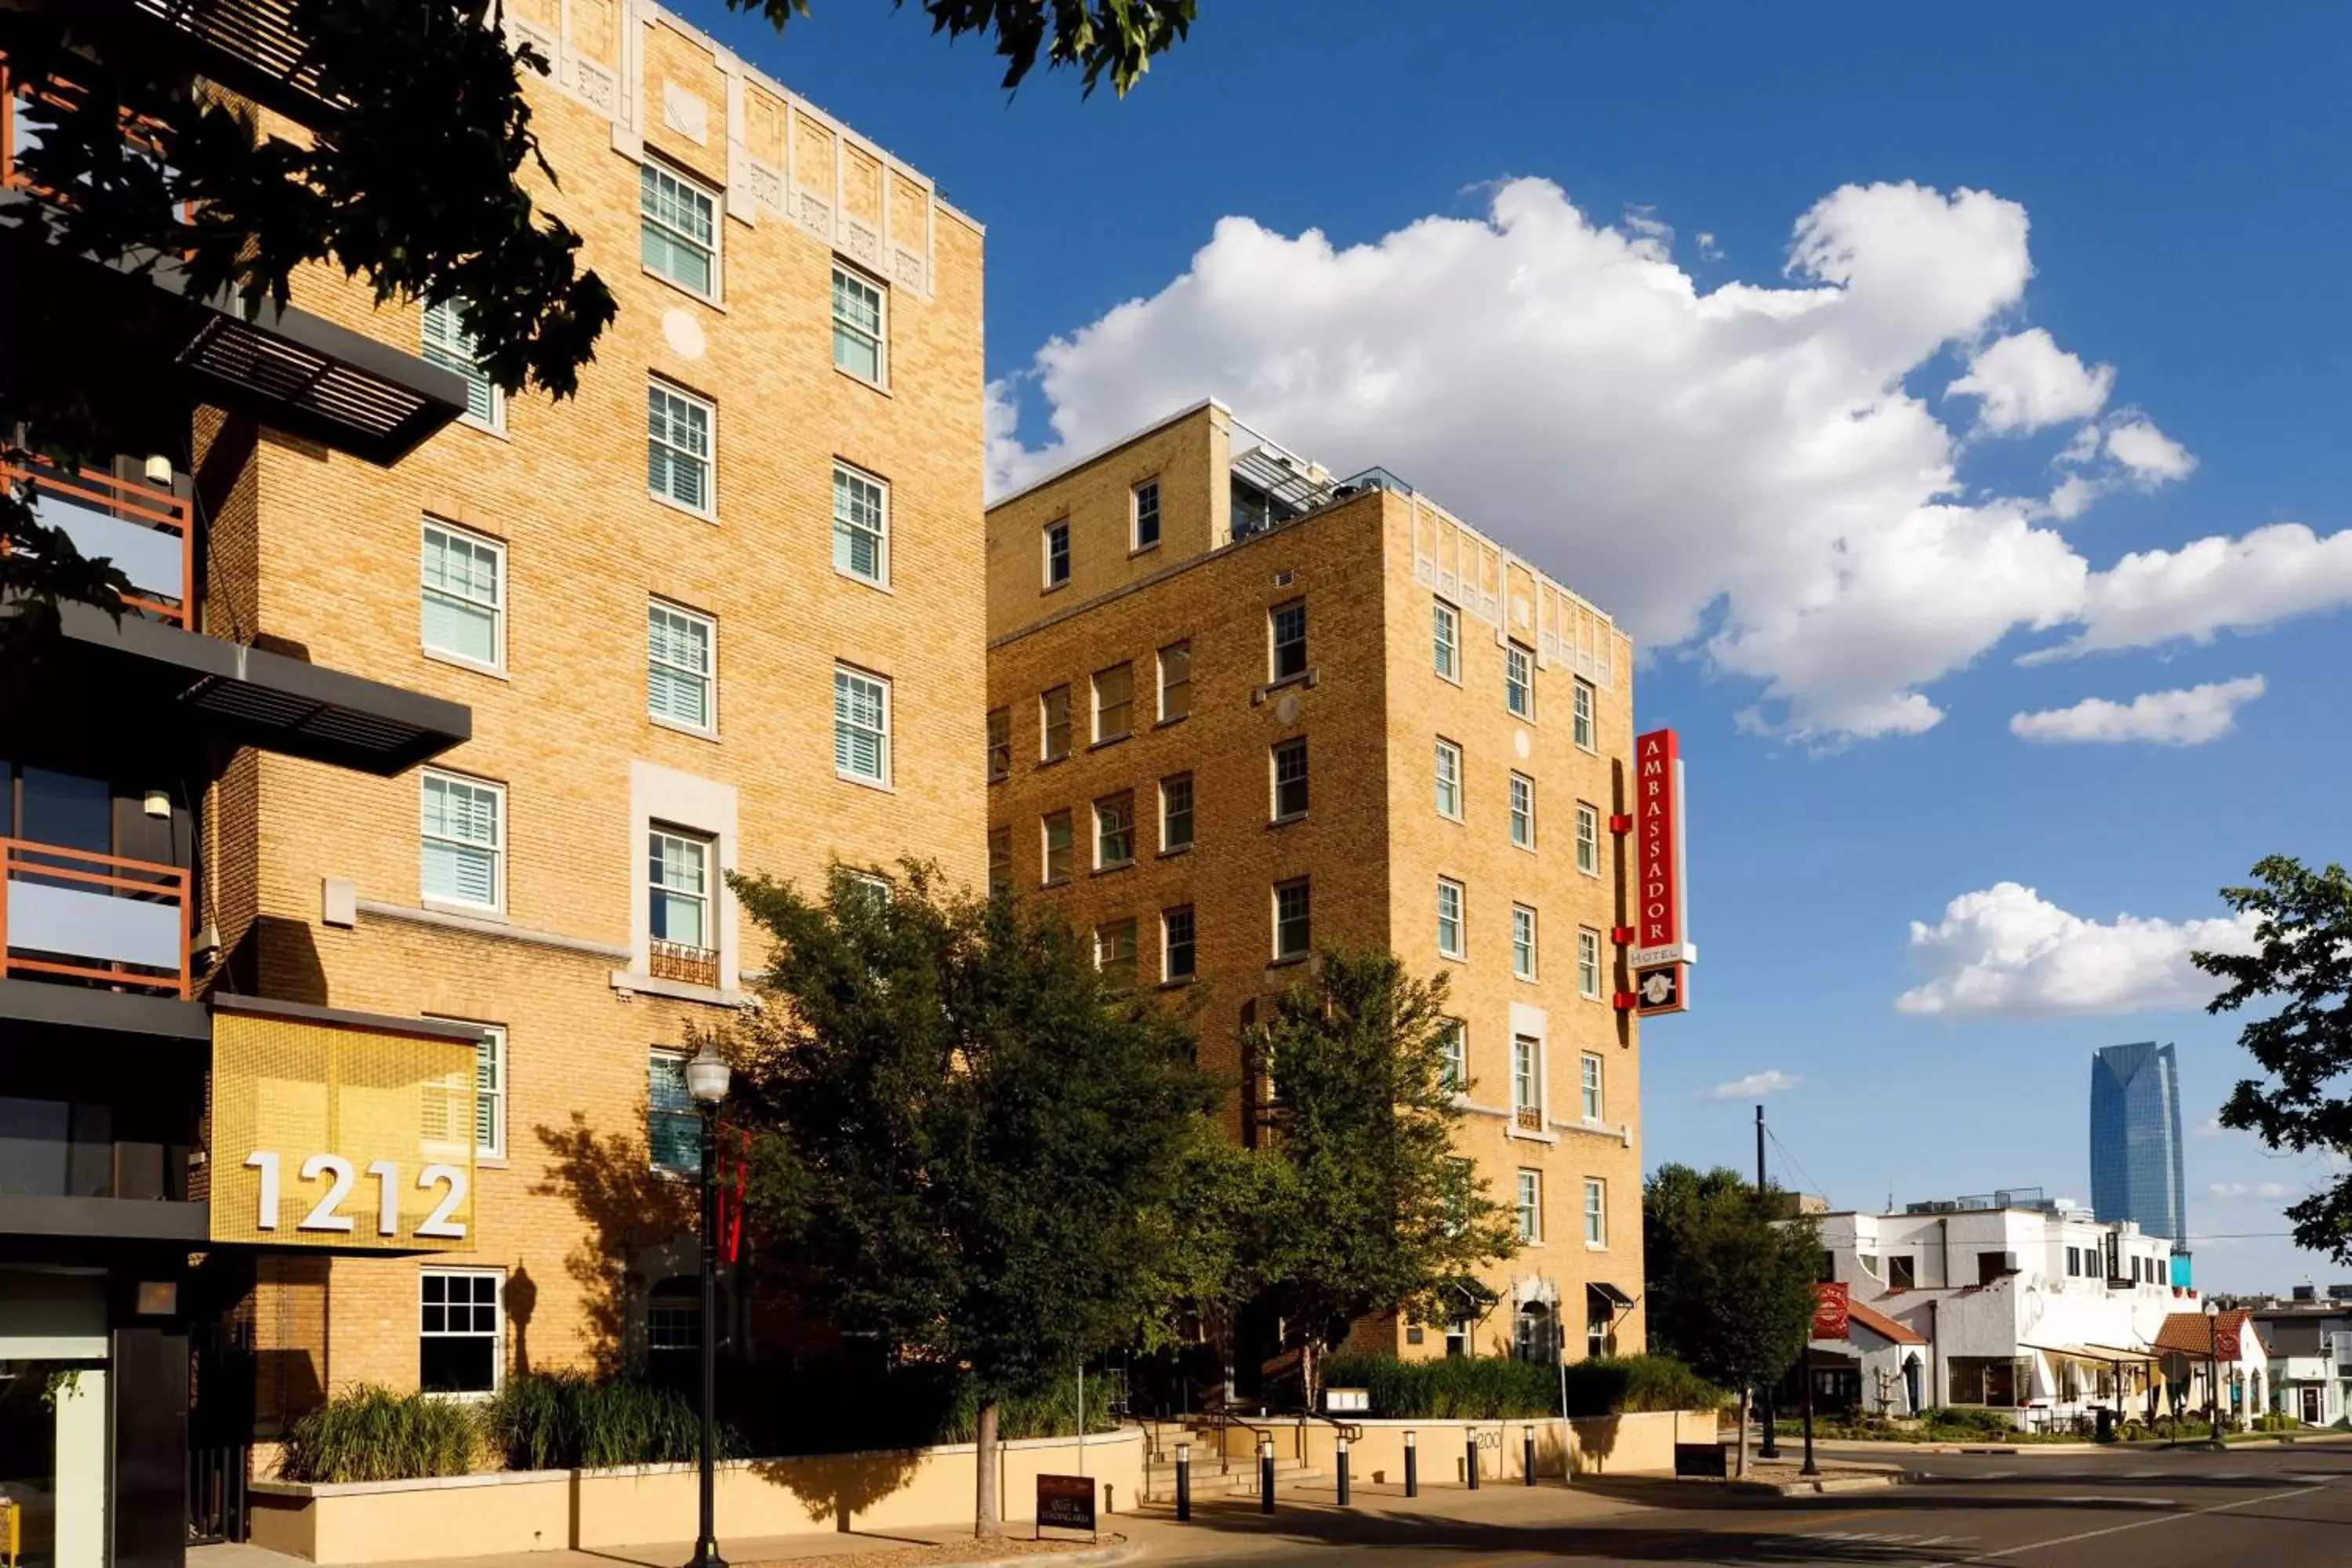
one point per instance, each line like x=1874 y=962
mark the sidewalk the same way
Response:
x=2146 y=1445
x=943 y=1546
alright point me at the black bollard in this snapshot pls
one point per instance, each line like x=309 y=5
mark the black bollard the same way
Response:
x=1265 y=1474
x=1470 y=1461
x=1183 y=1481
x=1343 y=1469
x=1528 y=1451
x=1412 y=1466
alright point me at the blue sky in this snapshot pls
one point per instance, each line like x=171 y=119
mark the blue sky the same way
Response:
x=1836 y=635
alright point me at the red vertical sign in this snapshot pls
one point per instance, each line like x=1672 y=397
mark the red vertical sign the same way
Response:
x=1658 y=849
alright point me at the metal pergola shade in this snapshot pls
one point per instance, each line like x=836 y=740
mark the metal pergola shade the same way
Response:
x=249 y=47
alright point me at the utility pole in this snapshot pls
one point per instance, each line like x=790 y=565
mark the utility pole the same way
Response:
x=1771 y=1445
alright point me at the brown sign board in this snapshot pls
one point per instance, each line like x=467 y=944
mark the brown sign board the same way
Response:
x=1065 y=1502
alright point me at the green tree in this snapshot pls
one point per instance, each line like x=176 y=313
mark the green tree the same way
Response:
x=1730 y=1282
x=2301 y=968
x=405 y=86
x=1377 y=1214
x=972 y=1143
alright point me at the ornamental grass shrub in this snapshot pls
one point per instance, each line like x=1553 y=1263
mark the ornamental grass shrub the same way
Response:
x=568 y=1420
x=1489 y=1388
x=370 y=1433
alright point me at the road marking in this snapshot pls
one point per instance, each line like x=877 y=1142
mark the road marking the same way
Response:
x=2129 y=1499
x=2141 y=1525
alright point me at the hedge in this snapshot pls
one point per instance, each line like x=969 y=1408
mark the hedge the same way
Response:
x=1487 y=1388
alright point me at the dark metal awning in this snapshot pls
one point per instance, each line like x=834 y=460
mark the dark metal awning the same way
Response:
x=257 y=698
x=1601 y=1290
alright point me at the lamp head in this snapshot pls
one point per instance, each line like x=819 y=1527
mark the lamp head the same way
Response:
x=2213 y=1308
x=707 y=1076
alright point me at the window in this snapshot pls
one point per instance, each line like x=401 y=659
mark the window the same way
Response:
x=1177 y=959
x=1519 y=680
x=1590 y=1103
x=1454 y=1062
x=1114 y=696
x=674 y=1316
x=1445 y=639
x=1000 y=743
x=677 y=448
x=1523 y=811
x=1449 y=918
x=465 y=595
x=1523 y=942
x=460 y=1343
x=1294 y=930
x=1057 y=846
x=1147 y=514
x=1902 y=1272
x=1461 y=1182
x=677 y=908
x=673 y=1128
x=1114 y=831
x=1289 y=629
x=999 y=861
x=679 y=668
x=1588 y=839
x=858 y=324
x=1054 y=723
x=1584 y=714
x=678 y=233
x=1588 y=963
x=1449 y=780
x=447 y=345
x=1057 y=553
x=1526 y=1082
x=491 y=1092
x=1175 y=680
x=1290 y=778
x=1530 y=1206
x=1596 y=1212
x=463 y=841
x=1115 y=953
x=1176 y=812
x=861 y=530
x=861 y=726
x=1598 y=1340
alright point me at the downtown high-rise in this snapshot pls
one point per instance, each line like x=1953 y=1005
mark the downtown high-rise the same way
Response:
x=2136 y=1152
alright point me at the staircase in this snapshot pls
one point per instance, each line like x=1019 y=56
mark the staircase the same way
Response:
x=1237 y=1477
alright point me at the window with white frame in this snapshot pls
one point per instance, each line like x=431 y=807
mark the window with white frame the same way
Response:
x=1523 y=942
x=1290 y=778
x=859 y=313
x=463 y=838
x=1449 y=779
x=999 y=861
x=447 y=345
x=1584 y=722
x=677 y=231
x=1530 y=1206
x=1454 y=1062
x=1445 y=639
x=861 y=726
x=1178 y=958
x=1115 y=953
x=1055 y=826
x=1450 y=940
x=1053 y=724
x=1286 y=628
x=1590 y=1087
x=1588 y=963
x=673 y=1127
x=489 y=1091
x=1147 y=514
x=674 y=1316
x=1176 y=812
x=1293 y=925
x=678 y=905
x=1057 y=552
x=1527 y=1081
x=1523 y=811
x=1114 y=831
x=1588 y=839
x=861 y=525
x=1175 y=680
x=681 y=665
x=1519 y=681
x=1114 y=702
x=679 y=445
x=460 y=1343
x=1596 y=1212
x=464 y=578
x=1000 y=743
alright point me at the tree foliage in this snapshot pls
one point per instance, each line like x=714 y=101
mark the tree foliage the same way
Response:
x=973 y=1146
x=1377 y=1215
x=1730 y=1287
x=2301 y=968
x=1093 y=37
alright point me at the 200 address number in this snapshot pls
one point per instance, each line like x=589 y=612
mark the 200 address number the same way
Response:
x=327 y=1213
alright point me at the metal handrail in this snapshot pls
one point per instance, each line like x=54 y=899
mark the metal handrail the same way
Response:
x=125 y=502
x=25 y=858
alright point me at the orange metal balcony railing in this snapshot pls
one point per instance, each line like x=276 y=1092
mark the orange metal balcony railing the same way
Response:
x=148 y=533
x=1529 y=1119
x=676 y=960
x=73 y=915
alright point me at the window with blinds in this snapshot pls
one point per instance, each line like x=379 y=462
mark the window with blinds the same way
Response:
x=861 y=726
x=462 y=833
x=681 y=667
x=447 y=345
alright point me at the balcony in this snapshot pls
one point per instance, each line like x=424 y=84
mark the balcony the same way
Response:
x=248 y=47
x=682 y=962
x=149 y=534
x=101 y=920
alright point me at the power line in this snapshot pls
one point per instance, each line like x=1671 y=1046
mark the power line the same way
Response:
x=1799 y=1164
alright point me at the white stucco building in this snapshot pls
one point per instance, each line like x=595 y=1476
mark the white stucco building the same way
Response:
x=2310 y=1345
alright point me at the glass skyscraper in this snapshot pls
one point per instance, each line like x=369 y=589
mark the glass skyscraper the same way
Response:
x=2136 y=1155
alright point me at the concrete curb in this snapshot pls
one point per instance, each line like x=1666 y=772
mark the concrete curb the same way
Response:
x=1819 y=1486
x=1125 y=1551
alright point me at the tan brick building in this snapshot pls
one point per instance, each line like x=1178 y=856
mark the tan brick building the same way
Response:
x=713 y=614
x=1240 y=709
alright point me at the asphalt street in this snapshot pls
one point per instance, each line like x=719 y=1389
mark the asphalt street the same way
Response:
x=2266 y=1508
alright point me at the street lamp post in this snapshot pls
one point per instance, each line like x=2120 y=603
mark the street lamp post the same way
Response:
x=706 y=1076
x=2213 y=1373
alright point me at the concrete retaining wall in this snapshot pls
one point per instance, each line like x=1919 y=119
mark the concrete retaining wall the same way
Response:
x=1595 y=1445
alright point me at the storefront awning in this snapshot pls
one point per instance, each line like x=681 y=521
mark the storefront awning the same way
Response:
x=2110 y=1355
x=1602 y=1291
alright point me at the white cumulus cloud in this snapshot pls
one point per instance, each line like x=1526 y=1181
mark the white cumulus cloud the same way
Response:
x=2007 y=950
x=2189 y=717
x=2242 y=1190
x=2026 y=381
x=1741 y=470
x=2210 y=585
x=1772 y=1080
